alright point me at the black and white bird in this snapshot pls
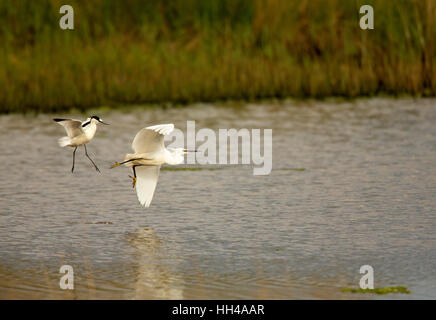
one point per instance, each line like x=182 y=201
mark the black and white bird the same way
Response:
x=149 y=154
x=79 y=134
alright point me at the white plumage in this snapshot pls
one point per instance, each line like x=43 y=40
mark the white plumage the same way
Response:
x=149 y=154
x=146 y=183
x=78 y=134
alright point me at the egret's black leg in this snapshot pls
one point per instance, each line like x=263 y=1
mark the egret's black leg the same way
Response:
x=134 y=176
x=95 y=166
x=117 y=164
x=74 y=158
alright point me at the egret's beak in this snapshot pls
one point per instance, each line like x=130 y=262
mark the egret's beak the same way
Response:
x=186 y=150
x=103 y=122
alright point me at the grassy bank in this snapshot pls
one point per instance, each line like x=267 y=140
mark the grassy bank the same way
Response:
x=382 y=290
x=194 y=50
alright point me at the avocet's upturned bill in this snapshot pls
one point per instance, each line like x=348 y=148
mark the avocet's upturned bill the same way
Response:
x=79 y=134
x=149 y=154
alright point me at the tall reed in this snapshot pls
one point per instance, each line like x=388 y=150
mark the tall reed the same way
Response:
x=184 y=51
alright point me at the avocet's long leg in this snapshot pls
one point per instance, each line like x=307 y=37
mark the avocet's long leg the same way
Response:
x=74 y=158
x=95 y=166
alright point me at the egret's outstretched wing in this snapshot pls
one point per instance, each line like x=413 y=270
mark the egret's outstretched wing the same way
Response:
x=72 y=127
x=146 y=181
x=151 y=139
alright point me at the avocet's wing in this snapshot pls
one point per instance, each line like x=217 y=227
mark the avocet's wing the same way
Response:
x=151 y=139
x=146 y=181
x=72 y=127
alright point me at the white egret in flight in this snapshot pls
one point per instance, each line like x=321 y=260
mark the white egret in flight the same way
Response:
x=79 y=133
x=149 y=154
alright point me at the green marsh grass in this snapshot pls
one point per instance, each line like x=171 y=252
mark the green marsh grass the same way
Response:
x=382 y=290
x=185 y=51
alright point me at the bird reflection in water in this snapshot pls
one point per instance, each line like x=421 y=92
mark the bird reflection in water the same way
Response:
x=153 y=280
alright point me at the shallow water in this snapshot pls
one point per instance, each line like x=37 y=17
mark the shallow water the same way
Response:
x=352 y=184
